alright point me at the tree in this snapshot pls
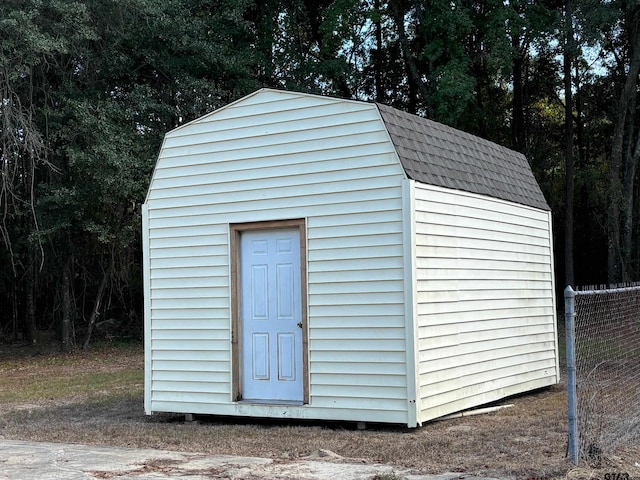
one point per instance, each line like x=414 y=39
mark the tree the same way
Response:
x=568 y=56
x=624 y=47
x=92 y=90
x=37 y=38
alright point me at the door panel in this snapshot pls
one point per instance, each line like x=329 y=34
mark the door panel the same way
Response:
x=285 y=278
x=271 y=315
x=260 y=351
x=286 y=357
x=259 y=292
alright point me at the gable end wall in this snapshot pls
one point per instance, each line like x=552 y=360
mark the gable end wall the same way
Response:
x=280 y=156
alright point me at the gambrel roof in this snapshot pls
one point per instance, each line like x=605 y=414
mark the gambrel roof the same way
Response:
x=435 y=154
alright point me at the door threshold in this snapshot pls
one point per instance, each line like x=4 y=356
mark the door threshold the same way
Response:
x=271 y=402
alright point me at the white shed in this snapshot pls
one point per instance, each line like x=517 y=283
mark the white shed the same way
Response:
x=317 y=258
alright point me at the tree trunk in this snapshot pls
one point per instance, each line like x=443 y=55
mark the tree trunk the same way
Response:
x=380 y=90
x=414 y=82
x=568 y=131
x=31 y=305
x=517 y=127
x=65 y=331
x=95 y=312
x=619 y=207
x=628 y=188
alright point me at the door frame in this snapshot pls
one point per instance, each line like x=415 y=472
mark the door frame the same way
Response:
x=235 y=229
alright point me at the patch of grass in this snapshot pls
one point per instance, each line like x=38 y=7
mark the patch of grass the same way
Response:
x=35 y=387
x=97 y=398
x=58 y=376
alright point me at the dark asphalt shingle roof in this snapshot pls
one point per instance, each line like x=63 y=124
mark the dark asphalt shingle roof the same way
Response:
x=435 y=154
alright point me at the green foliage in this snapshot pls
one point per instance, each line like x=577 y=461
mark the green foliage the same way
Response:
x=100 y=83
x=88 y=89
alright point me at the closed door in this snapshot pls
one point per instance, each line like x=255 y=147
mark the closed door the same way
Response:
x=271 y=316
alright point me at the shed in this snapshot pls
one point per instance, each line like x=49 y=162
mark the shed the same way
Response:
x=311 y=257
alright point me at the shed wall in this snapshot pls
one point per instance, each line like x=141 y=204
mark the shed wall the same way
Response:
x=485 y=300
x=275 y=156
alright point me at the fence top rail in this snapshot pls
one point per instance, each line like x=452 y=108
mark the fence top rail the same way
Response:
x=592 y=289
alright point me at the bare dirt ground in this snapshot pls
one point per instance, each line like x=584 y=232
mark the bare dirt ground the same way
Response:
x=96 y=398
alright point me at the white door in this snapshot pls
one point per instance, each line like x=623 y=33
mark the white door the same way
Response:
x=271 y=316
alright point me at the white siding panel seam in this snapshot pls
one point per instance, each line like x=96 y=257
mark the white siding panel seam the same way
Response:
x=318 y=110
x=500 y=378
x=368 y=196
x=261 y=109
x=515 y=359
x=479 y=306
x=239 y=128
x=357 y=219
x=282 y=180
x=237 y=163
x=503 y=225
x=470 y=212
x=256 y=193
x=278 y=134
x=184 y=235
x=283 y=212
x=455 y=351
x=339 y=243
x=492 y=332
x=450 y=233
x=287 y=145
x=513 y=314
x=198 y=173
x=432 y=193
x=449 y=330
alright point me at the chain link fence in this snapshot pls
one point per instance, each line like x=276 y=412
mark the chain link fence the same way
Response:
x=603 y=337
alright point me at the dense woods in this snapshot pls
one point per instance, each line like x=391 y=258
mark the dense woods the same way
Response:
x=88 y=89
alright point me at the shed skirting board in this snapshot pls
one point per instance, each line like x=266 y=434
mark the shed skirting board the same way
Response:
x=241 y=409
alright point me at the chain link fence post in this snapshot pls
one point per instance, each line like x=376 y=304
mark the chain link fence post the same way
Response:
x=570 y=329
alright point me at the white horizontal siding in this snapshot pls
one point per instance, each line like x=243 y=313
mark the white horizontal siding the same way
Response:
x=434 y=326
x=484 y=300
x=310 y=129
x=212 y=376
x=207 y=152
x=172 y=330
x=257 y=207
x=171 y=218
x=458 y=399
x=367 y=380
x=200 y=368
x=444 y=378
x=384 y=323
x=280 y=156
x=384 y=365
x=298 y=120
